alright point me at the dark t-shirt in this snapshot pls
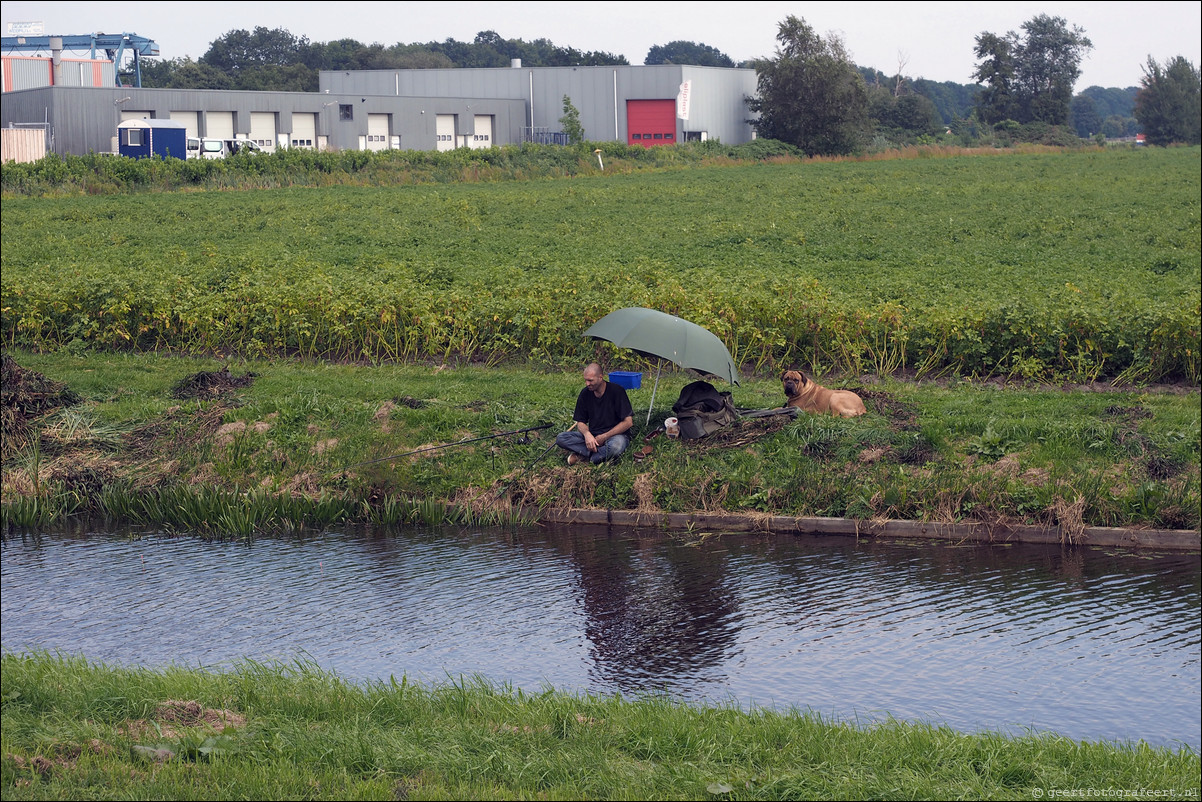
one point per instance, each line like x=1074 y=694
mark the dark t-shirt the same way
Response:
x=604 y=413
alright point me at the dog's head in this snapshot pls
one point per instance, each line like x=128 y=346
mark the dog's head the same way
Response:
x=793 y=381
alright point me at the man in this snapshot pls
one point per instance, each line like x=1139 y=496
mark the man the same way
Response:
x=603 y=416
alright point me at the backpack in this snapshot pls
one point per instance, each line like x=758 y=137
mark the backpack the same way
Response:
x=701 y=410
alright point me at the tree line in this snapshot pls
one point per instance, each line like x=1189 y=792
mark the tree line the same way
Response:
x=810 y=94
x=276 y=60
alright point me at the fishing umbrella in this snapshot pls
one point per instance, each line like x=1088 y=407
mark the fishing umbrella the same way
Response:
x=662 y=336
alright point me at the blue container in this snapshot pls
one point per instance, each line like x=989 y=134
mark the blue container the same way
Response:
x=151 y=138
x=624 y=378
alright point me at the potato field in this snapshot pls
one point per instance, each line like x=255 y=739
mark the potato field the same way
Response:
x=1074 y=266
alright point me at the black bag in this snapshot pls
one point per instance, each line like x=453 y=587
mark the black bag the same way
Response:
x=701 y=410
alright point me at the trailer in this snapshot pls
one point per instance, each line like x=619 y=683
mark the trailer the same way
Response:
x=149 y=138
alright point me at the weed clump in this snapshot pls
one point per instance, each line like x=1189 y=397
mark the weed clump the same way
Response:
x=26 y=395
x=210 y=383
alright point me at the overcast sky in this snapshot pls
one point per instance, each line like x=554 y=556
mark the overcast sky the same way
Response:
x=935 y=40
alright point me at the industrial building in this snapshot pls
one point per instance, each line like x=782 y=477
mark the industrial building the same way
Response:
x=438 y=109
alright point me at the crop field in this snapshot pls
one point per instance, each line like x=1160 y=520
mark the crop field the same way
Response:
x=1073 y=266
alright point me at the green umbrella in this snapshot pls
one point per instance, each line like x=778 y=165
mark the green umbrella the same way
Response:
x=659 y=335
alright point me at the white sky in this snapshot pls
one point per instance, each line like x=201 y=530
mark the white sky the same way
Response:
x=935 y=39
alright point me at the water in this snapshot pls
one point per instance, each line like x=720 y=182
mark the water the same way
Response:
x=1091 y=644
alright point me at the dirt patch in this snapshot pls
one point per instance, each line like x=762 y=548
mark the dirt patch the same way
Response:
x=902 y=417
x=85 y=474
x=410 y=402
x=175 y=716
x=1162 y=467
x=1006 y=468
x=226 y=433
x=209 y=384
x=61 y=757
x=176 y=431
x=1128 y=413
x=303 y=485
x=322 y=446
x=26 y=395
x=382 y=414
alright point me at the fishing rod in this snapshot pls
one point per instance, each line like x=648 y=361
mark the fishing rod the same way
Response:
x=448 y=445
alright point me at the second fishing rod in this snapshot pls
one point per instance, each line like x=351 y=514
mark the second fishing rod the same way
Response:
x=540 y=427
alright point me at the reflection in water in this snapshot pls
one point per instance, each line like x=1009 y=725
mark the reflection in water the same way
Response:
x=656 y=611
x=1092 y=644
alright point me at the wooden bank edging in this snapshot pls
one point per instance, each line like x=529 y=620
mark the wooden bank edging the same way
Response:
x=1172 y=539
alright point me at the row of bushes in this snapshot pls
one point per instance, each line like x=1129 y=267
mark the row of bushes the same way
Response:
x=105 y=174
x=768 y=324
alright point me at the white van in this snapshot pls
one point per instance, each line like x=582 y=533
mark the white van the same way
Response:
x=206 y=148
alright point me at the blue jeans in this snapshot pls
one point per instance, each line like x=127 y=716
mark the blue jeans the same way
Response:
x=572 y=440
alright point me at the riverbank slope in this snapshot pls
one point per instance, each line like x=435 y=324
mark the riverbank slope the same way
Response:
x=72 y=729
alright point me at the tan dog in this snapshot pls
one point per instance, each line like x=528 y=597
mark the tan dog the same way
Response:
x=809 y=396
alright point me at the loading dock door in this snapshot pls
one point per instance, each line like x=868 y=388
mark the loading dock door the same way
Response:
x=651 y=122
x=482 y=138
x=189 y=118
x=262 y=130
x=377 y=132
x=219 y=124
x=445 y=131
x=304 y=130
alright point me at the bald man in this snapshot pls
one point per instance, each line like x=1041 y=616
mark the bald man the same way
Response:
x=603 y=417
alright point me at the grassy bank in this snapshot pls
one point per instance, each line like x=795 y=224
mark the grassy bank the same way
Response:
x=229 y=450
x=74 y=730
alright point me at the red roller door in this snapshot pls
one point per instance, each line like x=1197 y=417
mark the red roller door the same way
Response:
x=651 y=122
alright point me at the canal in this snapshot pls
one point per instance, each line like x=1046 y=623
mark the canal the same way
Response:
x=1089 y=643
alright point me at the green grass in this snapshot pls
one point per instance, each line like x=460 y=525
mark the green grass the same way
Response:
x=309 y=444
x=76 y=730
x=1049 y=266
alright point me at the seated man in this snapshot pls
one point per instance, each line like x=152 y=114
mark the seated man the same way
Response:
x=603 y=416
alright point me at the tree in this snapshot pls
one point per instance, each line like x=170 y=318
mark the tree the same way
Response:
x=239 y=50
x=998 y=71
x=1049 y=66
x=1113 y=100
x=183 y=73
x=680 y=52
x=571 y=122
x=1117 y=127
x=1030 y=78
x=902 y=118
x=953 y=101
x=1086 y=120
x=810 y=95
x=1167 y=104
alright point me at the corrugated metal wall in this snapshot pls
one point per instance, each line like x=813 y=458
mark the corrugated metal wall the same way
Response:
x=85 y=120
x=28 y=72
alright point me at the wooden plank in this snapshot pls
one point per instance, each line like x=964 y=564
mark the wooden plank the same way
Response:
x=967 y=531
